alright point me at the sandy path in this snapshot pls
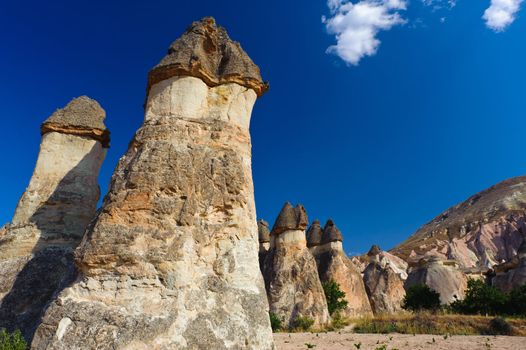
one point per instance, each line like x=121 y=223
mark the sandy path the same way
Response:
x=346 y=340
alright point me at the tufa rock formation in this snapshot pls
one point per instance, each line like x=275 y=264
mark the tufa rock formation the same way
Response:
x=314 y=234
x=441 y=276
x=264 y=241
x=36 y=258
x=513 y=273
x=333 y=264
x=384 y=283
x=291 y=277
x=171 y=261
x=480 y=232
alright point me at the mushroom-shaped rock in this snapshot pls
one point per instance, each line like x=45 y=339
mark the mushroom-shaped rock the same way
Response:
x=36 y=249
x=375 y=250
x=331 y=233
x=290 y=218
x=176 y=236
x=290 y=271
x=314 y=234
x=263 y=231
x=206 y=51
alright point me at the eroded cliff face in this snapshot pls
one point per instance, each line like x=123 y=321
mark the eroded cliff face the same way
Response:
x=36 y=249
x=291 y=276
x=172 y=258
x=480 y=232
x=511 y=274
x=333 y=264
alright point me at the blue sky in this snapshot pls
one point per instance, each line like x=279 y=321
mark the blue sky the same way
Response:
x=381 y=143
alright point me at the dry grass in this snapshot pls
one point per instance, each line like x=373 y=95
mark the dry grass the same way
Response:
x=438 y=324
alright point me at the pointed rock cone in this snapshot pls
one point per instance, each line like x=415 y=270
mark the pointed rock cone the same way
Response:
x=314 y=234
x=172 y=259
x=264 y=241
x=384 y=279
x=36 y=257
x=291 y=277
x=333 y=264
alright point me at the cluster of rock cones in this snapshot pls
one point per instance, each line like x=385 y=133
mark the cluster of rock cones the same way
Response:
x=171 y=259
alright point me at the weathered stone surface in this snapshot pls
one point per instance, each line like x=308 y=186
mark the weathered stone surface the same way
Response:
x=331 y=233
x=314 y=234
x=511 y=274
x=36 y=259
x=264 y=241
x=333 y=264
x=290 y=218
x=291 y=276
x=172 y=259
x=205 y=51
x=443 y=277
x=384 y=284
x=480 y=232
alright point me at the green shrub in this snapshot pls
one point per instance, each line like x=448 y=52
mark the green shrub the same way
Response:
x=335 y=297
x=339 y=322
x=517 y=301
x=303 y=322
x=12 y=342
x=275 y=322
x=499 y=326
x=420 y=297
x=482 y=299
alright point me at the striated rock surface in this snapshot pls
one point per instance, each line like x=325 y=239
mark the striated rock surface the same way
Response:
x=384 y=284
x=314 y=234
x=171 y=261
x=264 y=241
x=36 y=249
x=480 y=232
x=333 y=264
x=511 y=274
x=291 y=276
x=441 y=276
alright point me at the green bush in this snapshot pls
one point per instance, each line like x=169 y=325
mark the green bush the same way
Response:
x=275 y=323
x=517 y=301
x=499 y=326
x=12 y=342
x=483 y=299
x=335 y=297
x=420 y=297
x=339 y=322
x=303 y=322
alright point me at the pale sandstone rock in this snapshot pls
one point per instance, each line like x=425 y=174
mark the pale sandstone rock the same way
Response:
x=333 y=264
x=172 y=259
x=479 y=232
x=36 y=259
x=384 y=284
x=291 y=276
x=441 y=276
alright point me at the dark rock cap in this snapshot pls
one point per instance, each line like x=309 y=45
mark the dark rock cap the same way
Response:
x=290 y=218
x=206 y=51
x=331 y=233
x=375 y=250
x=82 y=116
x=263 y=231
x=314 y=234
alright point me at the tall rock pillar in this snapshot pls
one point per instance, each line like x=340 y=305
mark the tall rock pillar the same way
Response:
x=36 y=258
x=172 y=259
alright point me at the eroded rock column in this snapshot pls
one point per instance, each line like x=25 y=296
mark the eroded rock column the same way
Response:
x=36 y=258
x=172 y=259
x=333 y=264
x=291 y=276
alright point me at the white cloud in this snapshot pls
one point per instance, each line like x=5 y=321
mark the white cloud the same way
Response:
x=501 y=14
x=356 y=25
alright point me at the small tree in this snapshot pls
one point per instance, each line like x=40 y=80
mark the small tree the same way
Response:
x=12 y=342
x=335 y=297
x=482 y=298
x=420 y=297
x=275 y=322
x=517 y=301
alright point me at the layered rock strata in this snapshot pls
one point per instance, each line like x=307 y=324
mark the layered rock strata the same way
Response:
x=480 y=232
x=36 y=258
x=172 y=259
x=441 y=276
x=333 y=264
x=384 y=284
x=291 y=276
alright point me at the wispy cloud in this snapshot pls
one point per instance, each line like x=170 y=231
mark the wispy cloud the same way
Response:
x=501 y=14
x=356 y=26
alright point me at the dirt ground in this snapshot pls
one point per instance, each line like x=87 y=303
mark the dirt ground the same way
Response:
x=353 y=341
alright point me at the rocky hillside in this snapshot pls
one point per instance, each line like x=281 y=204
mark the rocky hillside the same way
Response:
x=479 y=232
